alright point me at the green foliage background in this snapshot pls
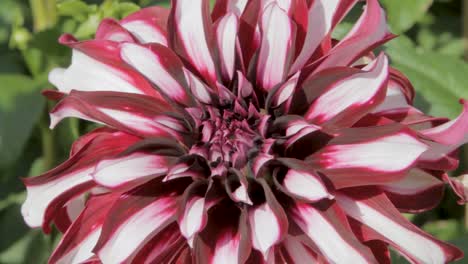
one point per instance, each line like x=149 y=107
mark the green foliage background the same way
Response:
x=430 y=51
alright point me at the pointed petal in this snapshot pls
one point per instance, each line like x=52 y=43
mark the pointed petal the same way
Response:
x=323 y=16
x=377 y=213
x=48 y=192
x=400 y=94
x=148 y=25
x=193 y=36
x=268 y=223
x=419 y=191
x=109 y=29
x=370 y=30
x=335 y=242
x=136 y=218
x=224 y=241
x=305 y=185
x=226 y=36
x=130 y=169
x=162 y=67
x=97 y=66
x=454 y=133
x=295 y=251
x=363 y=156
x=69 y=212
x=136 y=114
x=223 y=7
x=459 y=185
x=161 y=247
x=350 y=99
x=276 y=48
x=78 y=242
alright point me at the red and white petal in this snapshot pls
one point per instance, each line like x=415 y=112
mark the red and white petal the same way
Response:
x=42 y=195
x=268 y=223
x=276 y=48
x=148 y=25
x=223 y=7
x=161 y=247
x=49 y=192
x=348 y=100
x=306 y=185
x=192 y=36
x=109 y=29
x=459 y=186
x=162 y=67
x=202 y=92
x=136 y=218
x=193 y=219
x=96 y=66
x=135 y=168
x=453 y=133
x=396 y=98
x=335 y=242
x=323 y=15
x=224 y=241
x=280 y=98
x=439 y=157
x=295 y=251
x=136 y=114
x=78 y=242
x=226 y=36
x=370 y=30
x=418 y=191
x=363 y=156
x=378 y=214
x=69 y=213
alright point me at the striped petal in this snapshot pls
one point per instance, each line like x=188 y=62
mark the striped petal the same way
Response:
x=336 y=242
x=223 y=7
x=148 y=25
x=268 y=223
x=370 y=31
x=276 y=48
x=130 y=169
x=78 y=242
x=419 y=191
x=136 y=114
x=226 y=36
x=162 y=67
x=350 y=99
x=378 y=214
x=323 y=16
x=223 y=241
x=96 y=66
x=453 y=133
x=192 y=36
x=367 y=156
x=109 y=29
x=46 y=193
x=136 y=219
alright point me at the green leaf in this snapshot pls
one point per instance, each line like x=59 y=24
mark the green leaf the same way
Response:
x=440 y=80
x=21 y=106
x=74 y=8
x=444 y=229
x=19 y=244
x=124 y=9
x=402 y=15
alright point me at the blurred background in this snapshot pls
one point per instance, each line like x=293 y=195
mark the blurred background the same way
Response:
x=430 y=51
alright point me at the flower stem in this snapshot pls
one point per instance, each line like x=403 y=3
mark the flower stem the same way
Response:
x=44 y=13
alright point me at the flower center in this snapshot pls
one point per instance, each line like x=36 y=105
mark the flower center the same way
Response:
x=227 y=138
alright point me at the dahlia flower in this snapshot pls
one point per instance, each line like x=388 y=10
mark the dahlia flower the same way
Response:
x=244 y=135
